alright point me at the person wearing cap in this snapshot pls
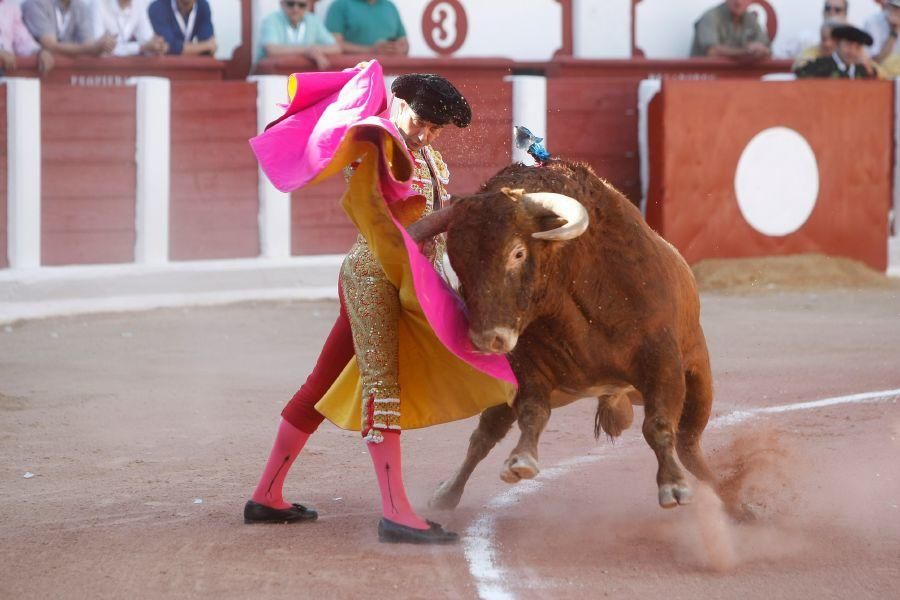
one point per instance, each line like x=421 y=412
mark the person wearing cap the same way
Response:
x=367 y=326
x=849 y=59
x=730 y=30
x=295 y=30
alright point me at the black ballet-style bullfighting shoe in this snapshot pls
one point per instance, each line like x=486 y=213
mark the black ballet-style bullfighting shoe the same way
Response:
x=395 y=533
x=254 y=512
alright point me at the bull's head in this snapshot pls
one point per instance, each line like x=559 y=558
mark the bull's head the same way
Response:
x=502 y=245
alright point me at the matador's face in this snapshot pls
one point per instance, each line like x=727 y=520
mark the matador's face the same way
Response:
x=416 y=131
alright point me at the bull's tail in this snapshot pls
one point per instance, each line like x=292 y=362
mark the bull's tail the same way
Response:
x=614 y=415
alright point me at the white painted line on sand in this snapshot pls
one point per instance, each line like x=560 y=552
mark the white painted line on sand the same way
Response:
x=478 y=543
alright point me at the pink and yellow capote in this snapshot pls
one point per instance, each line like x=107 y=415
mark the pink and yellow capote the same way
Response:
x=333 y=120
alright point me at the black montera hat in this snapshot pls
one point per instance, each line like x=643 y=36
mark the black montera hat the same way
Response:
x=433 y=98
x=851 y=34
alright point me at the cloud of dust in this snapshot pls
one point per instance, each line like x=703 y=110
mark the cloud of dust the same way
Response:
x=741 y=525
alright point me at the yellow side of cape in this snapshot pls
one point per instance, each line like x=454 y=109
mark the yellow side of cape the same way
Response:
x=435 y=385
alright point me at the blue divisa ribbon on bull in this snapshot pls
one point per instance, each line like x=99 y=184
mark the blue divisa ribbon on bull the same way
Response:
x=530 y=143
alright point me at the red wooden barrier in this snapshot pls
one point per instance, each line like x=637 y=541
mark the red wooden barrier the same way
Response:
x=214 y=205
x=4 y=258
x=694 y=159
x=87 y=175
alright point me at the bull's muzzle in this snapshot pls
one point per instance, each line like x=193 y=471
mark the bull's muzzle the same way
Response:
x=498 y=340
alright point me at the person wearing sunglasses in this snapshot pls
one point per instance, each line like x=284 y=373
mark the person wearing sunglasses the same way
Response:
x=296 y=31
x=368 y=326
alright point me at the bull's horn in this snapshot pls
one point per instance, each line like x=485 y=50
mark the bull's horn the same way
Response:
x=431 y=224
x=565 y=207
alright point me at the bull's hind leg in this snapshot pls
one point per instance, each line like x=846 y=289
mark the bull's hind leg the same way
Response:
x=697 y=407
x=534 y=412
x=663 y=388
x=492 y=427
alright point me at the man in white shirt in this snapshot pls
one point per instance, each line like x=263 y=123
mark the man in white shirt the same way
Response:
x=129 y=22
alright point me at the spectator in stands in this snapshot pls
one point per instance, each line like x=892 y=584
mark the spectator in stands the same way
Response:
x=730 y=30
x=367 y=27
x=825 y=47
x=15 y=39
x=185 y=25
x=65 y=27
x=883 y=27
x=129 y=22
x=294 y=30
x=807 y=42
x=850 y=60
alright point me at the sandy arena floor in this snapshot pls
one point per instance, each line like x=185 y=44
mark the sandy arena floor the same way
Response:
x=146 y=433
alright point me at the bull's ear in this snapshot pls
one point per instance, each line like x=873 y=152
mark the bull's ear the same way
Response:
x=516 y=194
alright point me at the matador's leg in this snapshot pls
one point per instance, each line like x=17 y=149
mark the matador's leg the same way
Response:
x=373 y=307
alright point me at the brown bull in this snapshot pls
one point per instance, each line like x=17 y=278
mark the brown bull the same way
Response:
x=608 y=309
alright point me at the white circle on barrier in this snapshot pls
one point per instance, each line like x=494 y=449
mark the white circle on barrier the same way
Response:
x=777 y=181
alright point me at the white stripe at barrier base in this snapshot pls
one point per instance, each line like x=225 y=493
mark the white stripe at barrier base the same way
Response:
x=274 y=206
x=23 y=155
x=529 y=109
x=152 y=157
x=647 y=90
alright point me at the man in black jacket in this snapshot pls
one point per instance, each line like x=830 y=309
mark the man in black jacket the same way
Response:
x=850 y=60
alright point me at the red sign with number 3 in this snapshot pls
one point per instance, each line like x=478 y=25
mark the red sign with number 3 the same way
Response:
x=444 y=26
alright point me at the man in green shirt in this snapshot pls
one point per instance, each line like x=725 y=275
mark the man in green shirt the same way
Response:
x=294 y=30
x=367 y=27
x=730 y=30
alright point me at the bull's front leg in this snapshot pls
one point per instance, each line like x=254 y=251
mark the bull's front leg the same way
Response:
x=493 y=425
x=533 y=409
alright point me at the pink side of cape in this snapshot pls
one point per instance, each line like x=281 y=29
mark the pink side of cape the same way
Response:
x=293 y=150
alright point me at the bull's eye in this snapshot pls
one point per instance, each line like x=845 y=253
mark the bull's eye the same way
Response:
x=516 y=256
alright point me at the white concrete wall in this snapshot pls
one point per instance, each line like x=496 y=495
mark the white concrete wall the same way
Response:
x=226 y=17
x=602 y=28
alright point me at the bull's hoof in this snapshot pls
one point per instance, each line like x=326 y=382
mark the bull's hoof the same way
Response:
x=673 y=494
x=445 y=497
x=519 y=467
